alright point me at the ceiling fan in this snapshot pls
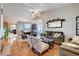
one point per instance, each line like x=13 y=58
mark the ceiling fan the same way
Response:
x=36 y=13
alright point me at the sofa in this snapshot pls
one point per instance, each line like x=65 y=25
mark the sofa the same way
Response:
x=70 y=48
x=57 y=36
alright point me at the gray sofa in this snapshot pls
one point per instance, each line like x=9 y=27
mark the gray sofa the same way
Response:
x=57 y=36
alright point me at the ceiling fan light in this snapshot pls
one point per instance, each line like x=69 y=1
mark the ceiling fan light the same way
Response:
x=35 y=13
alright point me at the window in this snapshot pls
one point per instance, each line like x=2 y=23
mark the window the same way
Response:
x=27 y=26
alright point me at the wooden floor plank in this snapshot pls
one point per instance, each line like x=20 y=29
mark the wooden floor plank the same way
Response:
x=22 y=49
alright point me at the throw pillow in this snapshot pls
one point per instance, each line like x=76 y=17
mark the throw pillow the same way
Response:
x=57 y=34
x=75 y=39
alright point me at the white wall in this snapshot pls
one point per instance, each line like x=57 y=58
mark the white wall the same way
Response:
x=0 y=16
x=68 y=13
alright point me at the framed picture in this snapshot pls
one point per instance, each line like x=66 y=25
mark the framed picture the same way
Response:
x=54 y=24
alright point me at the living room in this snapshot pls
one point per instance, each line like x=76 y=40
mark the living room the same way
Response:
x=25 y=25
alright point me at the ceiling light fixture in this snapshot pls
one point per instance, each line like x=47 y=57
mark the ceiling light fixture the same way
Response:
x=35 y=13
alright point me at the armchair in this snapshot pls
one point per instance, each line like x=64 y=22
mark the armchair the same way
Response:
x=29 y=41
x=39 y=46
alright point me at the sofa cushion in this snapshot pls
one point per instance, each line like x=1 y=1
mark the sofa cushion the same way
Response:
x=71 y=45
x=57 y=34
x=50 y=37
x=76 y=51
x=44 y=47
x=38 y=45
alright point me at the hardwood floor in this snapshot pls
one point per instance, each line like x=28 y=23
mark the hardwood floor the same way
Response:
x=21 y=49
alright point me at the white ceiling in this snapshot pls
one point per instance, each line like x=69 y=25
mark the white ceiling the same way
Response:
x=45 y=6
x=20 y=11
